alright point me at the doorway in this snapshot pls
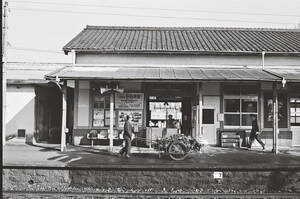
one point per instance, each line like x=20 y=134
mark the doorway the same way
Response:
x=210 y=110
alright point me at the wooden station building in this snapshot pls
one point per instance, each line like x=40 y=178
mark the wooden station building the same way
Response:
x=209 y=79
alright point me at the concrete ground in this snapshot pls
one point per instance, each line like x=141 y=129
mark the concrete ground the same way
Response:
x=17 y=153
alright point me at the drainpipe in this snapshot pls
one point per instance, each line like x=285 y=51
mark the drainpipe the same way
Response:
x=73 y=57
x=263 y=59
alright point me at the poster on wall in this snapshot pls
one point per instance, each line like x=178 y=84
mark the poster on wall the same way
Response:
x=98 y=117
x=129 y=101
x=136 y=116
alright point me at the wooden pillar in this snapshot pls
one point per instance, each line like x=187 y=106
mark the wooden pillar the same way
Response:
x=64 y=118
x=111 y=122
x=275 y=119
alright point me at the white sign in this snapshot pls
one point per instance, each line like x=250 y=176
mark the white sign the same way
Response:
x=218 y=175
x=129 y=101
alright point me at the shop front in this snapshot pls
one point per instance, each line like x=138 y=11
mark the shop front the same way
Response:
x=156 y=109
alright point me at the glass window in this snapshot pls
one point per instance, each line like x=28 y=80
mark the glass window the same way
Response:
x=249 y=105
x=295 y=111
x=240 y=101
x=208 y=116
x=246 y=120
x=268 y=110
x=232 y=119
x=232 y=105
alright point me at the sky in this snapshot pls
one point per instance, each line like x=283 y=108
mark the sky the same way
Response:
x=38 y=29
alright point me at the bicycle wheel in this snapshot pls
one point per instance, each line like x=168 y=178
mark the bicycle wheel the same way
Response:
x=177 y=151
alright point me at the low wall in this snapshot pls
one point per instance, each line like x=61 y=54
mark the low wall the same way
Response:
x=160 y=181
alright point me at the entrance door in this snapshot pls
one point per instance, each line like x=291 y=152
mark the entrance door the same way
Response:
x=210 y=110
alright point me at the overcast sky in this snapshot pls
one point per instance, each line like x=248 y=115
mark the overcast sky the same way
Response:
x=38 y=29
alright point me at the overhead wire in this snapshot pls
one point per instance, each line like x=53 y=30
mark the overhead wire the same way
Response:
x=161 y=9
x=147 y=16
x=35 y=50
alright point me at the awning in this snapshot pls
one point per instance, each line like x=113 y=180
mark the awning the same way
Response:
x=163 y=73
x=290 y=75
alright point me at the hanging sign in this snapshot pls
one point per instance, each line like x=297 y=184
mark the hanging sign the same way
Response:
x=129 y=100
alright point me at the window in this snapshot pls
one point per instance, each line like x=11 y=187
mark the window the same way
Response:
x=268 y=110
x=208 y=116
x=295 y=111
x=240 y=102
x=101 y=110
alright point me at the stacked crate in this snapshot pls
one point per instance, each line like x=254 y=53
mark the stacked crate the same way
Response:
x=230 y=139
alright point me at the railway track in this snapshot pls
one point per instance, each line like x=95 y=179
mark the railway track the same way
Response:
x=9 y=194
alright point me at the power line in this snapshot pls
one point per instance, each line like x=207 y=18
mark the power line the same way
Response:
x=36 y=50
x=148 y=16
x=161 y=9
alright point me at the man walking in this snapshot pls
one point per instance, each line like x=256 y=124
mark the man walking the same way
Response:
x=125 y=151
x=255 y=133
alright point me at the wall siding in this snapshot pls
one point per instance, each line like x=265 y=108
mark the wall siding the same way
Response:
x=20 y=110
x=147 y=59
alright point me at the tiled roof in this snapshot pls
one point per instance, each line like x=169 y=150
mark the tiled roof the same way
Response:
x=162 y=73
x=189 y=40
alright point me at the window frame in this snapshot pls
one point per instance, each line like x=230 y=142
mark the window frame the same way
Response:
x=295 y=112
x=241 y=96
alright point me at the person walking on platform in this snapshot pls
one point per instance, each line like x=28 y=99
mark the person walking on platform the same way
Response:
x=255 y=133
x=128 y=129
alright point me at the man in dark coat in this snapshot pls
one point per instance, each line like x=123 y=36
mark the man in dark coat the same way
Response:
x=255 y=133
x=128 y=129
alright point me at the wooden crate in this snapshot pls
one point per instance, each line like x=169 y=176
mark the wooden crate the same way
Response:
x=230 y=139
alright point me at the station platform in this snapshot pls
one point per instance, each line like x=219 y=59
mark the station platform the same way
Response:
x=16 y=153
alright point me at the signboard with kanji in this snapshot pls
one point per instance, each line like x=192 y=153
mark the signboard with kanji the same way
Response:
x=129 y=101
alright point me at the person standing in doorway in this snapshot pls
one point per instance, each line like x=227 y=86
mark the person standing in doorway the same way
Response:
x=255 y=133
x=128 y=129
x=171 y=123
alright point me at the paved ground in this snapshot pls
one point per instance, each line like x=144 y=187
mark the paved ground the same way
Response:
x=21 y=154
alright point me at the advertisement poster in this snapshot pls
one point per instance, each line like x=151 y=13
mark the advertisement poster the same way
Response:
x=129 y=101
x=98 y=117
x=136 y=117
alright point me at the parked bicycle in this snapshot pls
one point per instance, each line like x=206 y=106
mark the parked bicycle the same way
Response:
x=178 y=146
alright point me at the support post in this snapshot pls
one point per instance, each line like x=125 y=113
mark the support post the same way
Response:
x=64 y=118
x=111 y=122
x=200 y=126
x=275 y=119
x=4 y=65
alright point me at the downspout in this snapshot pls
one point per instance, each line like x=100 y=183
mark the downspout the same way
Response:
x=263 y=59
x=275 y=104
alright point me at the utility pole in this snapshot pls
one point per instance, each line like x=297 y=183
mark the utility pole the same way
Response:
x=4 y=65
